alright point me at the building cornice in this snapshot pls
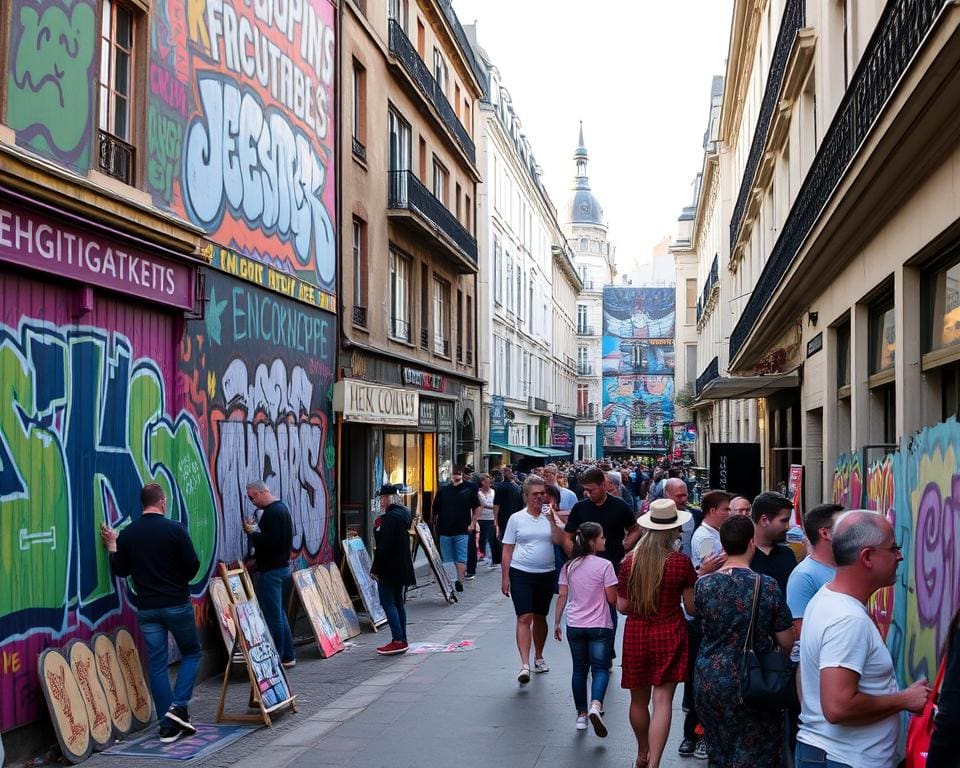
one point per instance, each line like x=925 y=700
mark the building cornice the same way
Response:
x=740 y=55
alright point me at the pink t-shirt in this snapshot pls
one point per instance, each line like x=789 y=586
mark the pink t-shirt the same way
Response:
x=587 y=604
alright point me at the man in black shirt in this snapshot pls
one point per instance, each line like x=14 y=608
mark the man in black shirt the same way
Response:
x=157 y=554
x=771 y=515
x=507 y=500
x=456 y=508
x=272 y=535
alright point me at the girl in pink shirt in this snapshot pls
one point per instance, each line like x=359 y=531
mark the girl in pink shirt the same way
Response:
x=588 y=585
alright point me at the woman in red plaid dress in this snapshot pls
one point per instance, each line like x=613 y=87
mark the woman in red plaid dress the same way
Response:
x=653 y=579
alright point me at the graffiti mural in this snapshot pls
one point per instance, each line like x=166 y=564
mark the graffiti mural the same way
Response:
x=241 y=129
x=84 y=423
x=626 y=356
x=880 y=498
x=51 y=72
x=848 y=481
x=258 y=373
x=637 y=411
x=639 y=313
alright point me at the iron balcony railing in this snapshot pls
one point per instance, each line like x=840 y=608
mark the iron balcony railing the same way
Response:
x=902 y=28
x=407 y=192
x=711 y=372
x=359 y=150
x=590 y=412
x=793 y=20
x=400 y=329
x=585 y=369
x=402 y=48
x=116 y=157
x=360 y=316
x=585 y=330
x=712 y=280
x=424 y=339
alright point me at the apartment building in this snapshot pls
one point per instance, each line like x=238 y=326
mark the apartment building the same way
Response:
x=527 y=289
x=409 y=394
x=594 y=255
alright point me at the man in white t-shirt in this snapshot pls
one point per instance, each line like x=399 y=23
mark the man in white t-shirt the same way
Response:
x=850 y=702
x=705 y=541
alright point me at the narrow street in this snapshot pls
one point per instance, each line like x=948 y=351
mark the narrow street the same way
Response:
x=465 y=709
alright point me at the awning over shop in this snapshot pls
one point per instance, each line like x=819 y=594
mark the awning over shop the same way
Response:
x=522 y=450
x=728 y=387
x=554 y=451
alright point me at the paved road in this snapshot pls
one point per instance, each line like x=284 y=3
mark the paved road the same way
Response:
x=455 y=710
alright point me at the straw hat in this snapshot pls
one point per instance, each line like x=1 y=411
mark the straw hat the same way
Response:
x=663 y=516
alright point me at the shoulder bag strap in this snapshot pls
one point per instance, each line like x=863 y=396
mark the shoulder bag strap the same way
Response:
x=748 y=642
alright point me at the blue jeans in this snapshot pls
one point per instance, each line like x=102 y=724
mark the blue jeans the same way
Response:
x=391 y=598
x=814 y=757
x=269 y=589
x=590 y=649
x=488 y=540
x=178 y=621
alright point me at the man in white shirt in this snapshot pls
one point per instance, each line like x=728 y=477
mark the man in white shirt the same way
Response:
x=850 y=702
x=706 y=539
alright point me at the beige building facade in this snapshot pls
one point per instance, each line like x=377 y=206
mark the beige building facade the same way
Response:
x=409 y=278
x=838 y=166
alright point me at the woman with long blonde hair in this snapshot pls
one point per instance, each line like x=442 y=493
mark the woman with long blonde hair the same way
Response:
x=653 y=579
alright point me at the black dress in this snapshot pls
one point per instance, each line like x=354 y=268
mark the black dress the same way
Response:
x=736 y=736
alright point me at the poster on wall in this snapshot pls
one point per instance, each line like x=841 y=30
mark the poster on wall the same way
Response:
x=795 y=492
x=735 y=468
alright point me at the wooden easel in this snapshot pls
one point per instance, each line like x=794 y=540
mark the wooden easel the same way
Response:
x=244 y=602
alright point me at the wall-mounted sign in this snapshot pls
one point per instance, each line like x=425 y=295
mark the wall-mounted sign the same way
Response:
x=428 y=415
x=36 y=242
x=564 y=432
x=428 y=381
x=815 y=345
x=498 y=420
x=372 y=404
x=445 y=417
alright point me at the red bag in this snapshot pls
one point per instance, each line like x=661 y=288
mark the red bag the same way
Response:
x=921 y=726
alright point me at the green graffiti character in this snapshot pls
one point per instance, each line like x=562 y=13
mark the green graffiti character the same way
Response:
x=50 y=84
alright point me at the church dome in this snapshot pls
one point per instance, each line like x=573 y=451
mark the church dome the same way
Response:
x=582 y=206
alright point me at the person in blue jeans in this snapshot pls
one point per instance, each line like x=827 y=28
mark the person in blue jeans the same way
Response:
x=456 y=508
x=588 y=587
x=158 y=555
x=272 y=537
x=392 y=566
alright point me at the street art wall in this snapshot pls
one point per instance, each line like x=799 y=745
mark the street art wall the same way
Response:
x=257 y=372
x=638 y=366
x=918 y=489
x=848 y=481
x=239 y=129
x=88 y=414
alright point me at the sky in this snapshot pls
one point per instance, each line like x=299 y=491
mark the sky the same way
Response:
x=636 y=73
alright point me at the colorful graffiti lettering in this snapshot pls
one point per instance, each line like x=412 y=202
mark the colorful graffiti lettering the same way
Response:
x=241 y=122
x=51 y=74
x=880 y=498
x=848 y=481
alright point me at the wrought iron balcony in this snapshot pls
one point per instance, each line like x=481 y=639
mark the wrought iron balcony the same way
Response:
x=359 y=150
x=400 y=329
x=585 y=369
x=710 y=373
x=116 y=157
x=441 y=346
x=469 y=356
x=402 y=48
x=430 y=216
x=360 y=316
x=898 y=35
x=713 y=279
x=794 y=13
x=424 y=339
x=585 y=330
x=590 y=412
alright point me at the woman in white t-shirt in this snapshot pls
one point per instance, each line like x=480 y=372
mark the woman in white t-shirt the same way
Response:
x=487 y=521
x=529 y=573
x=588 y=586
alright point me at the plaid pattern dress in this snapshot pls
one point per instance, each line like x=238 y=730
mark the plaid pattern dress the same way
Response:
x=655 y=647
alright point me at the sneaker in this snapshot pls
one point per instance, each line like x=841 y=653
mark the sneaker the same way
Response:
x=181 y=717
x=540 y=665
x=170 y=731
x=403 y=645
x=523 y=676
x=392 y=648
x=458 y=585
x=687 y=748
x=596 y=719
x=288 y=664
x=701 y=750
x=470 y=576
x=581 y=722
x=493 y=566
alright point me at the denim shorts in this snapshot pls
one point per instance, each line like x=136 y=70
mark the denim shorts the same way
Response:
x=453 y=549
x=531 y=592
x=813 y=757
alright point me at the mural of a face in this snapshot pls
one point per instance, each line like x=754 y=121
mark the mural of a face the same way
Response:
x=51 y=79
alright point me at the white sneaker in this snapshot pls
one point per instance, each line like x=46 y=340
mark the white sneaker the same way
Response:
x=540 y=665
x=596 y=719
x=581 y=722
x=523 y=676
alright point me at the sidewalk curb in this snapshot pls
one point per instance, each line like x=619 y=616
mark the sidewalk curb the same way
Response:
x=287 y=747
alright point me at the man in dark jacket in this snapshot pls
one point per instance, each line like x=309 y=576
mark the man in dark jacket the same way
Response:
x=392 y=567
x=272 y=535
x=156 y=552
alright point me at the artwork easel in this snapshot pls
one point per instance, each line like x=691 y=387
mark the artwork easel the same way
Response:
x=269 y=689
x=358 y=562
x=425 y=538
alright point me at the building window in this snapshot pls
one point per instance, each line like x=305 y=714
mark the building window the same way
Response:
x=941 y=308
x=399 y=142
x=459 y=326
x=359 y=110
x=424 y=306
x=581 y=318
x=441 y=181
x=843 y=356
x=116 y=155
x=399 y=297
x=497 y=270
x=691 y=301
x=440 y=71
x=583 y=361
x=469 y=321
x=583 y=400
x=509 y=282
x=691 y=364
x=441 y=317
x=359 y=272
x=399 y=11
x=883 y=337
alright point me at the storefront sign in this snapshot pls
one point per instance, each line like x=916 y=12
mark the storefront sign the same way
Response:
x=428 y=381
x=445 y=417
x=37 y=242
x=428 y=415
x=795 y=491
x=498 y=420
x=564 y=432
x=372 y=404
x=815 y=345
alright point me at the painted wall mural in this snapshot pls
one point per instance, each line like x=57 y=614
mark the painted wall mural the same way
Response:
x=638 y=367
x=848 y=481
x=86 y=418
x=241 y=127
x=258 y=375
